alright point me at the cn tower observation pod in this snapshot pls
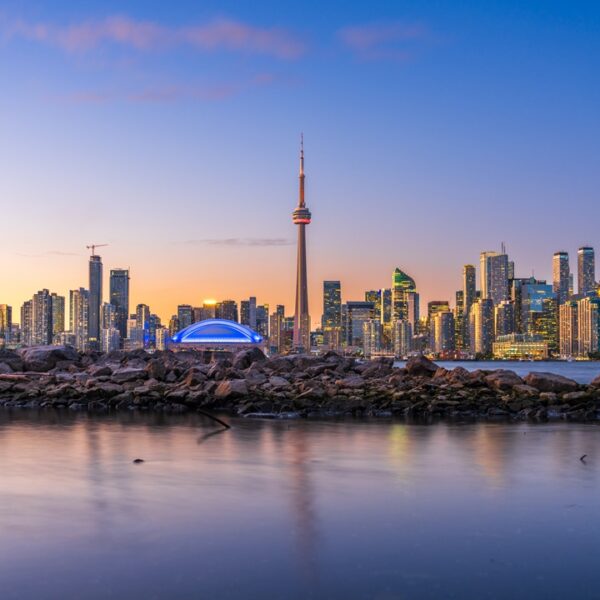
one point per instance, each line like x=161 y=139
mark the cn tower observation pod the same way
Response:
x=216 y=332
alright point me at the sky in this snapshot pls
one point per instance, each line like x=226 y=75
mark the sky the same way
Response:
x=433 y=130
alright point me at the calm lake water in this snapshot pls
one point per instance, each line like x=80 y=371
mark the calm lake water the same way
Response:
x=295 y=510
x=580 y=371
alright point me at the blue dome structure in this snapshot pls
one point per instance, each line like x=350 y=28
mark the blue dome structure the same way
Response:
x=217 y=332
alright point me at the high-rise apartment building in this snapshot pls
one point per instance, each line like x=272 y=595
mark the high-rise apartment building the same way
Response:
x=588 y=326
x=227 y=309
x=494 y=276
x=79 y=301
x=405 y=299
x=332 y=305
x=568 y=330
x=481 y=322
x=505 y=318
x=58 y=314
x=262 y=320
x=372 y=337
x=119 y=298
x=586 y=271
x=142 y=317
x=5 y=324
x=95 y=300
x=560 y=276
x=402 y=338
x=469 y=287
x=357 y=313
x=27 y=323
x=184 y=316
x=442 y=326
x=42 y=318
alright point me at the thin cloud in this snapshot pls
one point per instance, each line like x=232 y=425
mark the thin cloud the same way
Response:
x=395 y=41
x=241 y=242
x=47 y=253
x=144 y=36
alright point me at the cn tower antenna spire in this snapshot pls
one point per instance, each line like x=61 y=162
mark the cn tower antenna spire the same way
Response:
x=301 y=196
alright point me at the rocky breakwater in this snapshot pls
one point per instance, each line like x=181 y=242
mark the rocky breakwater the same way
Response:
x=250 y=384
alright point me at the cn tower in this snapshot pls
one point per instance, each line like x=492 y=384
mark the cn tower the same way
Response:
x=301 y=217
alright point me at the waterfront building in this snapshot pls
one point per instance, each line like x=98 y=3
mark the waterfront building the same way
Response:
x=588 y=326
x=443 y=331
x=301 y=217
x=119 y=298
x=494 y=276
x=227 y=309
x=110 y=339
x=5 y=324
x=504 y=316
x=434 y=307
x=586 y=271
x=173 y=325
x=95 y=300
x=184 y=316
x=216 y=334
x=374 y=297
x=481 y=326
x=372 y=338
x=154 y=323
x=357 y=313
x=142 y=319
x=518 y=346
x=568 y=330
x=79 y=306
x=277 y=337
x=162 y=338
x=545 y=323
x=108 y=316
x=262 y=320
x=402 y=338
x=459 y=320
x=532 y=295
x=42 y=318
x=331 y=321
x=560 y=276
x=469 y=287
x=58 y=314
x=405 y=299
x=27 y=323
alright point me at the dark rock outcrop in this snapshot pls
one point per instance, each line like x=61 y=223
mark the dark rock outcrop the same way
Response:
x=550 y=382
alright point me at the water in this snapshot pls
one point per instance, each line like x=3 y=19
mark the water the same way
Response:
x=580 y=371
x=295 y=510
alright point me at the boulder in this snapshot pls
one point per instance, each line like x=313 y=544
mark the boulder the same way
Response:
x=595 y=382
x=379 y=367
x=550 y=382
x=44 y=358
x=5 y=369
x=278 y=382
x=194 y=376
x=352 y=382
x=502 y=379
x=244 y=358
x=420 y=365
x=125 y=374
x=235 y=388
x=156 y=369
x=99 y=371
x=12 y=359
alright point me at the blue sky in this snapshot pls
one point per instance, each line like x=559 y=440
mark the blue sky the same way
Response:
x=433 y=130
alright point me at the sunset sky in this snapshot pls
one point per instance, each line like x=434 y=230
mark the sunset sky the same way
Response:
x=170 y=130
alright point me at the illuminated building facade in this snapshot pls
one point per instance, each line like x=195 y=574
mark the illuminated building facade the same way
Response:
x=405 y=299
x=372 y=338
x=517 y=346
x=443 y=331
x=481 y=323
x=588 y=326
x=95 y=300
x=586 y=271
x=560 y=276
x=79 y=303
x=504 y=316
x=216 y=333
x=568 y=329
x=184 y=315
x=357 y=314
x=119 y=298
x=227 y=309
x=402 y=334
x=5 y=324
x=494 y=276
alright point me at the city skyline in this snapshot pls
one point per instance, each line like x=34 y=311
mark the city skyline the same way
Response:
x=191 y=187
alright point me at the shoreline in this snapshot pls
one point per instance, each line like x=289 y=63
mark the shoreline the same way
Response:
x=250 y=385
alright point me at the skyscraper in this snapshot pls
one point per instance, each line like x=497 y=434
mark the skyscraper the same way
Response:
x=469 y=287
x=95 y=302
x=58 y=314
x=586 y=270
x=588 y=326
x=332 y=305
x=568 y=330
x=301 y=217
x=27 y=323
x=227 y=309
x=405 y=299
x=494 y=276
x=443 y=331
x=79 y=301
x=5 y=323
x=560 y=276
x=482 y=326
x=119 y=298
x=42 y=318
x=184 y=315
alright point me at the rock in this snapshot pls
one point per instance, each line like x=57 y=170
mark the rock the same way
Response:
x=125 y=374
x=5 y=369
x=234 y=388
x=352 y=382
x=156 y=369
x=526 y=390
x=574 y=397
x=549 y=382
x=100 y=371
x=420 y=365
x=245 y=358
x=44 y=358
x=194 y=376
x=595 y=382
x=278 y=382
x=503 y=379
x=12 y=359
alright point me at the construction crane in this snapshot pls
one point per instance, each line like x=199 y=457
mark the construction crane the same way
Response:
x=93 y=247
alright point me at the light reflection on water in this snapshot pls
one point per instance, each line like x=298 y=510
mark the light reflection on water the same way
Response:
x=271 y=509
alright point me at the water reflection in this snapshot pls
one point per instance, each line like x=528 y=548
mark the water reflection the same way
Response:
x=354 y=509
